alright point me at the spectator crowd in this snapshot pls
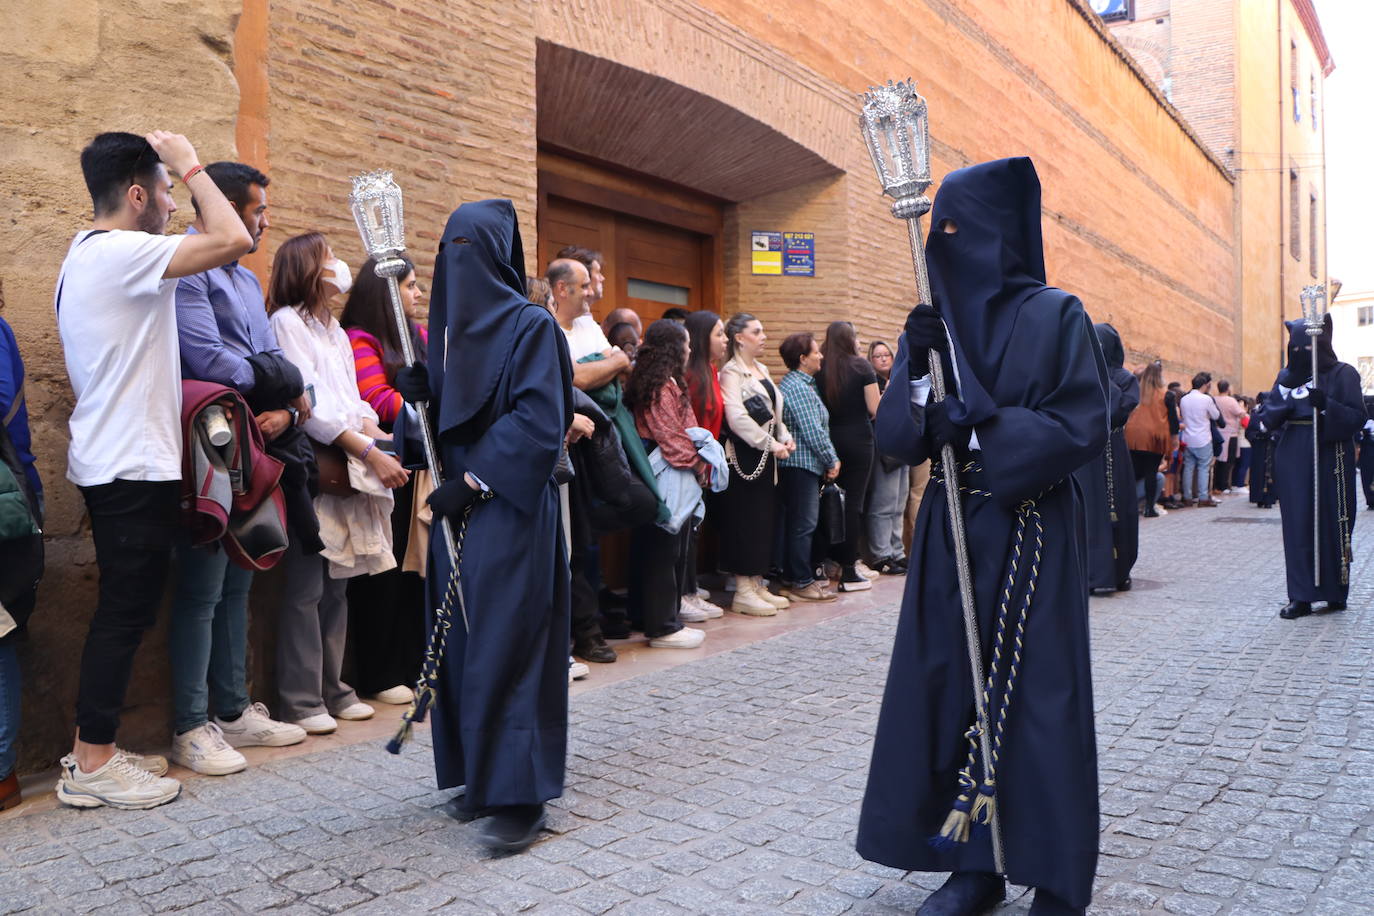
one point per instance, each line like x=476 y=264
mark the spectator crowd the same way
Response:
x=222 y=428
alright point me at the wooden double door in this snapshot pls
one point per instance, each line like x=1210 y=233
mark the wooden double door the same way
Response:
x=651 y=264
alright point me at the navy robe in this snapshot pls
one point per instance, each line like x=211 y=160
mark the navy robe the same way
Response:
x=1340 y=422
x=1108 y=480
x=500 y=723
x=1042 y=412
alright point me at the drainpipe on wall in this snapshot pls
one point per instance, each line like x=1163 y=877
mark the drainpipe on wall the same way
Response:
x=1283 y=187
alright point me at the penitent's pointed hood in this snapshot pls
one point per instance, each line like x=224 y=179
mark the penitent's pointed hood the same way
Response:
x=1299 y=367
x=1112 y=350
x=479 y=289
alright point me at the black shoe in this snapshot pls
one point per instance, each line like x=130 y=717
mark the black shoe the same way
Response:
x=852 y=581
x=894 y=568
x=1150 y=513
x=457 y=808
x=1295 y=609
x=512 y=828
x=965 y=893
x=1335 y=605
x=1046 y=904
x=616 y=630
x=594 y=650
x=1124 y=585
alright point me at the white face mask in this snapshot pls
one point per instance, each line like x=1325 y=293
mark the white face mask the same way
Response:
x=340 y=277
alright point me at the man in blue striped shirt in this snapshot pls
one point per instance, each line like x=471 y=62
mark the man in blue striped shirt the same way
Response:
x=800 y=474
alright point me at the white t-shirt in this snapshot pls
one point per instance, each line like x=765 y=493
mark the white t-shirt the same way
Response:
x=585 y=338
x=117 y=319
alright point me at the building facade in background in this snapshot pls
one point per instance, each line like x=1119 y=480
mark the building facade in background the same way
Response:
x=1247 y=75
x=677 y=136
x=1352 y=320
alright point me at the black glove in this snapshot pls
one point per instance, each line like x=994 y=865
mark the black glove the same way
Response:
x=1318 y=398
x=924 y=331
x=413 y=383
x=942 y=430
x=451 y=497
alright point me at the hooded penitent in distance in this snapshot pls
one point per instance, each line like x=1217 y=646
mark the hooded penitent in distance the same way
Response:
x=1288 y=415
x=1108 y=481
x=1032 y=384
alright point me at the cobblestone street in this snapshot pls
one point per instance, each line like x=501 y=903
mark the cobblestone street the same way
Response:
x=1237 y=776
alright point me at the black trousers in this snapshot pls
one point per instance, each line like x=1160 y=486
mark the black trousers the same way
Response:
x=1146 y=467
x=134 y=525
x=386 y=613
x=854 y=444
x=658 y=567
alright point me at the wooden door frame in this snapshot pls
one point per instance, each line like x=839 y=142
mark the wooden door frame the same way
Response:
x=565 y=175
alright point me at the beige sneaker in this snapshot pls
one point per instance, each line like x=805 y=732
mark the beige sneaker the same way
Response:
x=203 y=750
x=118 y=784
x=712 y=611
x=812 y=592
x=862 y=569
x=685 y=638
x=153 y=763
x=400 y=695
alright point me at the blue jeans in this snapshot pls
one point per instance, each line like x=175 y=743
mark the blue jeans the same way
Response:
x=1196 y=461
x=801 y=504
x=9 y=708
x=208 y=637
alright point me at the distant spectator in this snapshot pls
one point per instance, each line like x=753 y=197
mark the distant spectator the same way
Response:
x=1173 y=458
x=657 y=396
x=707 y=335
x=888 y=488
x=676 y=314
x=538 y=290
x=1147 y=434
x=116 y=315
x=386 y=610
x=21 y=558
x=622 y=316
x=849 y=388
x=591 y=259
x=755 y=439
x=571 y=285
x=222 y=327
x=312 y=618
x=800 y=474
x=1231 y=413
x=1196 y=411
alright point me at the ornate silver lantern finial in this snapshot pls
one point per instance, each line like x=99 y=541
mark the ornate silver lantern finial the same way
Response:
x=380 y=215
x=1314 y=308
x=897 y=131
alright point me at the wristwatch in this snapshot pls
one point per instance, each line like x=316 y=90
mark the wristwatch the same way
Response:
x=295 y=416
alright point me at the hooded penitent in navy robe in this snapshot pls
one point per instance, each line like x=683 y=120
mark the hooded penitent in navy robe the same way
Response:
x=1262 y=456
x=1288 y=412
x=1108 y=480
x=502 y=378
x=1031 y=382
x=1366 y=462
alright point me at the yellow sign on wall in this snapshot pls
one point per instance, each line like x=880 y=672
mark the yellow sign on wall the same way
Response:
x=766 y=253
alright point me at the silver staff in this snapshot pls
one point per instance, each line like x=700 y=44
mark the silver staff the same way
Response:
x=896 y=129
x=1314 y=317
x=377 y=209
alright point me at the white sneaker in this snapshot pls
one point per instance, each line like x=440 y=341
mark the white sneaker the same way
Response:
x=712 y=611
x=120 y=783
x=400 y=695
x=204 y=750
x=703 y=594
x=577 y=670
x=255 y=728
x=319 y=724
x=685 y=638
x=688 y=612
x=355 y=712
x=862 y=569
x=153 y=763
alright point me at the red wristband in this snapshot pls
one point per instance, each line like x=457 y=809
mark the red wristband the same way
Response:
x=190 y=173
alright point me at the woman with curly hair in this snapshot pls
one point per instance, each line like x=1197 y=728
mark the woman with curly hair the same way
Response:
x=657 y=396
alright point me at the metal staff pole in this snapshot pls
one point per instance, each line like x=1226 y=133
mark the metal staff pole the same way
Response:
x=377 y=209
x=1314 y=317
x=896 y=129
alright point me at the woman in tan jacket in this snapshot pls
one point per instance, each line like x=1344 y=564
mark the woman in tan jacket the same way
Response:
x=755 y=438
x=1147 y=433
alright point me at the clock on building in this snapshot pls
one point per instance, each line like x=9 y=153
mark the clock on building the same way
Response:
x=1111 y=10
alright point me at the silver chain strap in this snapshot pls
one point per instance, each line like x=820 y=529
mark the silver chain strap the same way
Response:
x=763 y=459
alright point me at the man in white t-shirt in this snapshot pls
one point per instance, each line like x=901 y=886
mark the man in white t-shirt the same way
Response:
x=1195 y=413
x=116 y=315
x=571 y=283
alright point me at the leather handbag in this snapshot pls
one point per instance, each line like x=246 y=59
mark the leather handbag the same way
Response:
x=332 y=462
x=830 y=520
x=759 y=409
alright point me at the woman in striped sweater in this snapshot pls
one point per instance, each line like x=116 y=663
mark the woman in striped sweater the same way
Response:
x=386 y=612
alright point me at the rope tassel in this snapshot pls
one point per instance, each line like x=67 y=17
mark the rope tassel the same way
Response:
x=985 y=806
x=956 y=826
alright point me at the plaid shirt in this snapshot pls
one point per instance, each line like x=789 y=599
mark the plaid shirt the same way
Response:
x=809 y=422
